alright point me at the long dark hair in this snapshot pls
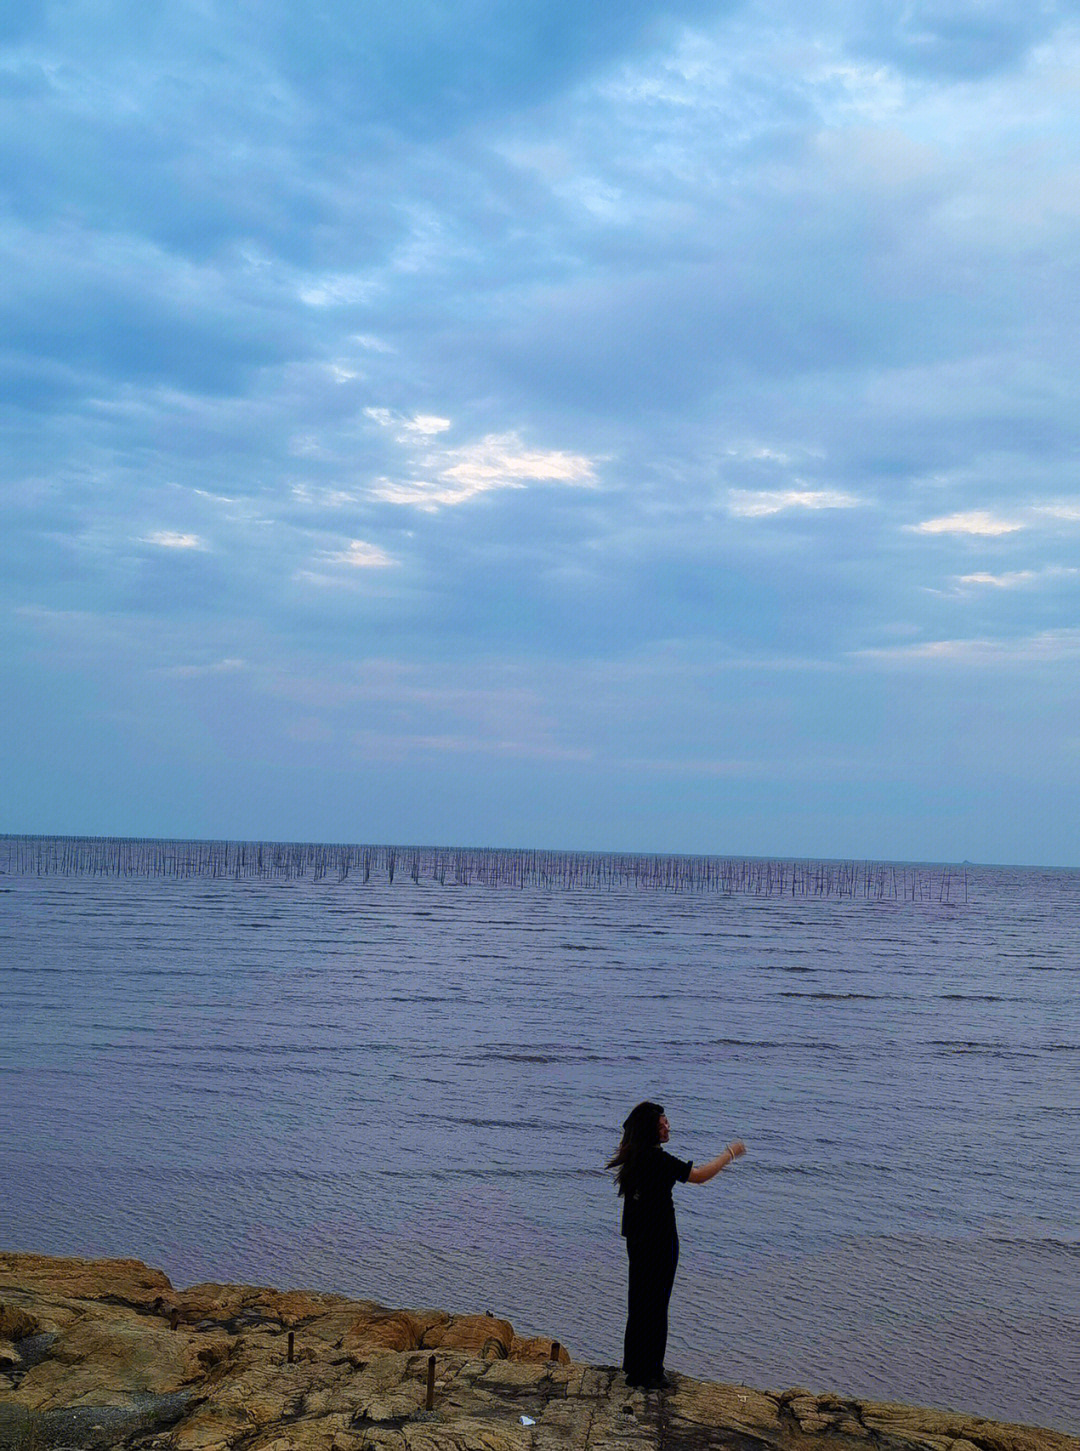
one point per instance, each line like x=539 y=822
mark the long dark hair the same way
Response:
x=640 y=1132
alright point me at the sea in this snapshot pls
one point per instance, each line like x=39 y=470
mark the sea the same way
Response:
x=407 y=1089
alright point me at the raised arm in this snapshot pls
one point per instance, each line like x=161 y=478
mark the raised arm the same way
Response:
x=701 y=1174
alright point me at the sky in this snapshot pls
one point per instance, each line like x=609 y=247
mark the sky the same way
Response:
x=622 y=426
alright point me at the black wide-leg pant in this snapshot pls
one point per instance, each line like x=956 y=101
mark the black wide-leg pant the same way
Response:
x=653 y=1261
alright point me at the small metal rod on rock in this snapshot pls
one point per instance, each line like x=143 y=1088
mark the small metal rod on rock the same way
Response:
x=289 y=1352
x=429 y=1404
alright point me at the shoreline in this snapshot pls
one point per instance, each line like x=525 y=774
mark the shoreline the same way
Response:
x=101 y=1354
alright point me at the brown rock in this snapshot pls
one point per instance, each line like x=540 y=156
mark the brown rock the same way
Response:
x=224 y=1303
x=381 y=1329
x=111 y=1361
x=117 y=1377
x=16 y=1322
x=468 y=1434
x=74 y=1279
x=258 y=1391
x=899 y=1425
x=484 y=1335
x=536 y=1347
x=318 y=1435
x=747 y=1412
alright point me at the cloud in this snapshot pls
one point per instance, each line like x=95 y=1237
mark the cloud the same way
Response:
x=361 y=555
x=408 y=428
x=403 y=746
x=758 y=453
x=1046 y=647
x=1019 y=578
x=760 y=503
x=499 y=460
x=170 y=539
x=424 y=71
x=1068 y=513
x=627 y=273
x=765 y=768
x=970 y=521
x=496 y=461
x=1010 y=580
x=426 y=424
x=334 y=568
x=955 y=38
x=229 y=666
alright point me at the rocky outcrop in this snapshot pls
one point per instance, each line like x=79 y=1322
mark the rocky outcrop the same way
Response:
x=96 y=1354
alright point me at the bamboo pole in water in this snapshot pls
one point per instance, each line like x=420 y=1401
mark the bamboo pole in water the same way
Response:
x=489 y=867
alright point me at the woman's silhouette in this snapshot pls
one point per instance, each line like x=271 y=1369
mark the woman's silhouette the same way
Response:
x=645 y=1178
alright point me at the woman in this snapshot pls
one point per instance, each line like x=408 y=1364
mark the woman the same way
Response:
x=645 y=1178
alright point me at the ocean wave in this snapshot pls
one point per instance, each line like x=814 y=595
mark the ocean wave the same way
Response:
x=845 y=997
x=980 y=998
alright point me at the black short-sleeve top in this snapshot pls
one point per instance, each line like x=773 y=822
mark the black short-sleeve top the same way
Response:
x=648 y=1208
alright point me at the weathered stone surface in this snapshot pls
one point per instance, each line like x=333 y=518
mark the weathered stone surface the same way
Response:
x=15 y=1321
x=744 y=1413
x=129 y=1281
x=231 y=1303
x=536 y=1347
x=482 y=1334
x=108 y=1354
x=89 y=1426
x=112 y=1360
x=394 y=1329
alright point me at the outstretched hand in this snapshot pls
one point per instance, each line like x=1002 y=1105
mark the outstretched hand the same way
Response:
x=702 y=1173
